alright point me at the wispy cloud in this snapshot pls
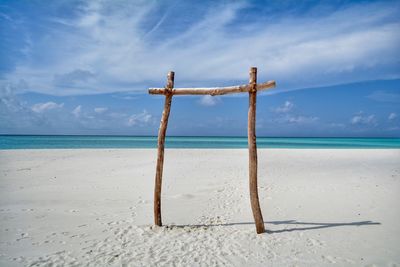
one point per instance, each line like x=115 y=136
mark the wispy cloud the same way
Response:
x=117 y=49
x=392 y=116
x=77 y=111
x=15 y=114
x=42 y=107
x=298 y=119
x=208 y=100
x=17 y=117
x=364 y=119
x=100 y=110
x=286 y=107
x=107 y=49
x=286 y=115
x=139 y=119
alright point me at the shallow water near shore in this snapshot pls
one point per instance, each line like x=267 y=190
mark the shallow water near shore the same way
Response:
x=85 y=141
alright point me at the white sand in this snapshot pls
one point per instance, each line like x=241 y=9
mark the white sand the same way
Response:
x=94 y=208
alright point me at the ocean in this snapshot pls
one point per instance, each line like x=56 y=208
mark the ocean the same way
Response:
x=79 y=141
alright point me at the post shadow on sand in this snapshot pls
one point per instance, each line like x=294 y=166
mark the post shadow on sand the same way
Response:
x=309 y=225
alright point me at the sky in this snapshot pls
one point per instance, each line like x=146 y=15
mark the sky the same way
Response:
x=84 y=67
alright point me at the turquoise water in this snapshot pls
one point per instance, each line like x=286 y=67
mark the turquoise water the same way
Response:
x=64 y=141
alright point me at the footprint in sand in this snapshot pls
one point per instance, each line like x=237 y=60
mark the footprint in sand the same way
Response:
x=27 y=209
x=73 y=210
x=314 y=242
x=328 y=258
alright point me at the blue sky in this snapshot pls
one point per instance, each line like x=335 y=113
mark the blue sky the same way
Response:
x=83 y=67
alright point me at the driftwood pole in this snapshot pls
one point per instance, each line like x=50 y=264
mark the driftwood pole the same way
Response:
x=251 y=136
x=244 y=88
x=252 y=88
x=161 y=142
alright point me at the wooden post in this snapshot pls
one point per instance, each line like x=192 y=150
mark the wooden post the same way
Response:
x=252 y=89
x=255 y=204
x=161 y=141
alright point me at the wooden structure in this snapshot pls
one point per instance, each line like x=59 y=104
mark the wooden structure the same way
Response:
x=252 y=88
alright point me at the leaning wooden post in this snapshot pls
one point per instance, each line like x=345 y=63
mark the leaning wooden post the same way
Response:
x=161 y=141
x=255 y=204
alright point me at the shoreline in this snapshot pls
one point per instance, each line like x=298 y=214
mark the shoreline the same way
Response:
x=134 y=142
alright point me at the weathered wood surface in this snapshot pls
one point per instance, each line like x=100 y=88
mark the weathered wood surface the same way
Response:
x=251 y=135
x=252 y=88
x=212 y=90
x=160 y=154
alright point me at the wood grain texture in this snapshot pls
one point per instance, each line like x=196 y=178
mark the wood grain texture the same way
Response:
x=252 y=88
x=255 y=204
x=213 y=90
x=160 y=153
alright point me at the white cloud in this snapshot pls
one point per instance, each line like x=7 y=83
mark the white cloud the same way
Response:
x=286 y=107
x=209 y=100
x=18 y=116
x=284 y=115
x=140 y=118
x=300 y=119
x=314 y=49
x=15 y=115
x=100 y=110
x=392 y=116
x=77 y=111
x=361 y=119
x=42 y=107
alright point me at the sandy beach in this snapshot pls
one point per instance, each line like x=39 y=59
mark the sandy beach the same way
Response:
x=83 y=207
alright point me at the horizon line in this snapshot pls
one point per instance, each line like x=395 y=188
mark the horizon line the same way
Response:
x=205 y=136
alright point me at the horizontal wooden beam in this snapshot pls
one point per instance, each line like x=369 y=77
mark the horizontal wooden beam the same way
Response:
x=212 y=90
